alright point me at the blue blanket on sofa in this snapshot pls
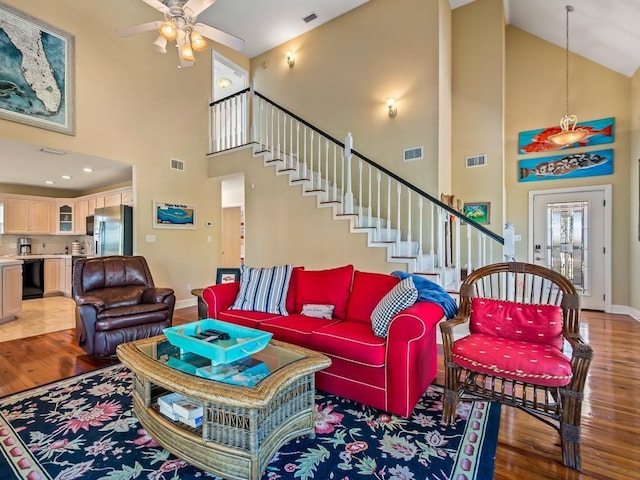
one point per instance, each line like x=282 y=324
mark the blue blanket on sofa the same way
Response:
x=429 y=291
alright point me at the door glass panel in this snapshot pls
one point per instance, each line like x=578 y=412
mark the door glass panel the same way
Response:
x=567 y=242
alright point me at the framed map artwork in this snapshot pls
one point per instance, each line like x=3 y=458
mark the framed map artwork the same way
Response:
x=37 y=72
x=174 y=215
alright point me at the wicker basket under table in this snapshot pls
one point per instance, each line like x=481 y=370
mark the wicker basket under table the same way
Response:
x=242 y=427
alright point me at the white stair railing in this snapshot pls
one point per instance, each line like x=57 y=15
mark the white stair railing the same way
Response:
x=360 y=190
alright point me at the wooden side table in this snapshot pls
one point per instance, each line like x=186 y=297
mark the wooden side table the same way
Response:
x=203 y=309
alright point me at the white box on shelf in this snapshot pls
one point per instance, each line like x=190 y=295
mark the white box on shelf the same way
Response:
x=166 y=401
x=188 y=408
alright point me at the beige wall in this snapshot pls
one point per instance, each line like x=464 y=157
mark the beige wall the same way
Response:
x=535 y=98
x=347 y=68
x=478 y=92
x=135 y=106
x=283 y=226
x=445 y=98
x=634 y=217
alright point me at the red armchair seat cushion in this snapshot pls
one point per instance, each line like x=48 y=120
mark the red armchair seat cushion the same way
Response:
x=524 y=322
x=352 y=340
x=295 y=328
x=324 y=287
x=517 y=360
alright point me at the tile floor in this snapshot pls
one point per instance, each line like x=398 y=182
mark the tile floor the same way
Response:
x=38 y=316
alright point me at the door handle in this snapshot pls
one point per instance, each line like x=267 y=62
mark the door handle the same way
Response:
x=539 y=258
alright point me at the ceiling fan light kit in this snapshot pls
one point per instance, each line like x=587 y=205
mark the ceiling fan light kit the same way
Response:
x=180 y=25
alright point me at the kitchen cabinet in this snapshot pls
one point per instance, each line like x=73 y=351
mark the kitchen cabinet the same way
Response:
x=64 y=218
x=27 y=216
x=11 y=286
x=81 y=211
x=113 y=199
x=66 y=281
x=54 y=269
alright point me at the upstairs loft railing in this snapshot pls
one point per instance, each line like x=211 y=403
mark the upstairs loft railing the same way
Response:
x=428 y=235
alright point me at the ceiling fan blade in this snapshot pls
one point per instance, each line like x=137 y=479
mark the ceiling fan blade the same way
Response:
x=143 y=27
x=158 y=5
x=219 y=36
x=195 y=7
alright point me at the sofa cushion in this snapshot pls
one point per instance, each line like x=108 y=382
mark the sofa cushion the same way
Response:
x=328 y=287
x=366 y=292
x=352 y=340
x=291 y=292
x=263 y=289
x=295 y=328
x=402 y=296
x=525 y=322
x=517 y=360
x=246 y=318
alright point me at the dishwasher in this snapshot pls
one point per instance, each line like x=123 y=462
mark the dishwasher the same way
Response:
x=32 y=278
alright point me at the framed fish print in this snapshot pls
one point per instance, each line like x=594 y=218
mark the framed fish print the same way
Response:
x=574 y=165
x=37 y=72
x=536 y=141
x=227 y=275
x=478 y=212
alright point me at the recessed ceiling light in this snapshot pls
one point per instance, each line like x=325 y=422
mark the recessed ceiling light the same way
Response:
x=49 y=182
x=87 y=169
x=67 y=177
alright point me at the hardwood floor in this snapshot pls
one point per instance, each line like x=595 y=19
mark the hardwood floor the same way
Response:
x=527 y=449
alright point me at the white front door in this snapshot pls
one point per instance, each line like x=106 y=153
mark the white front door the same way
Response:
x=569 y=235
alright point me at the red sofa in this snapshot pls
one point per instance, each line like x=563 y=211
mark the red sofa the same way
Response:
x=388 y=373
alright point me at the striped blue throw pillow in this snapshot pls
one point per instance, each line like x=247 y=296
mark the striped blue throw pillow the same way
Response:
x=263 y=289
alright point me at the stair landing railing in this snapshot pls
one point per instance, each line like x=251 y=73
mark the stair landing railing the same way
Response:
x=430 y=236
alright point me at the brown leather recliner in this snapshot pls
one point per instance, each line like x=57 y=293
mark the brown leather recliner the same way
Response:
x=117 y=302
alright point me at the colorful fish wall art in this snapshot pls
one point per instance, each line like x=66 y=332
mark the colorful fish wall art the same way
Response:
x=535 y=141
x=574 y=165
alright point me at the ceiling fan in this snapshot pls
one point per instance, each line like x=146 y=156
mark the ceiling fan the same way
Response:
x=180 y=25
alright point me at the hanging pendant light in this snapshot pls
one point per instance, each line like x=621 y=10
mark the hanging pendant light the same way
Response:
x=569 y=134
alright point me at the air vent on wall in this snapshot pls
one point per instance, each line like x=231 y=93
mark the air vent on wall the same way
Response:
x=477 y=160
x=411 y=154
x=176 y=164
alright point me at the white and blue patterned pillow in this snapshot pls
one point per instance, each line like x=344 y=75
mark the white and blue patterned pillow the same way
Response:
x=402 y=296
x=263 y=289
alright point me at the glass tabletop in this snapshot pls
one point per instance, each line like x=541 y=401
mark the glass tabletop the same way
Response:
x=247 y=371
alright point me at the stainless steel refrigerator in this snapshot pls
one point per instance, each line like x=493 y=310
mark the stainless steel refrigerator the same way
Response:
x=113 y=230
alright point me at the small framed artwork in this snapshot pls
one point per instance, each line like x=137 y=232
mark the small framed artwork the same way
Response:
x=227 y=275
x=38 y=72
x=174 y=215
x=478 y=212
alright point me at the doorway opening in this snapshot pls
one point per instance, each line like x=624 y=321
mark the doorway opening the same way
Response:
x=232 y=203
x=570 y=232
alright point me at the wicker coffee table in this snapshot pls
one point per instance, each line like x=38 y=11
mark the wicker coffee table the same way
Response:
x=242 y=427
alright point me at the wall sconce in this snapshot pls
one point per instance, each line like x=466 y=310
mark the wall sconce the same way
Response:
x=291 y=59
x=391 y=105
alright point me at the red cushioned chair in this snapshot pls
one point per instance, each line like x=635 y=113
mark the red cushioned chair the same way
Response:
x=519 y=317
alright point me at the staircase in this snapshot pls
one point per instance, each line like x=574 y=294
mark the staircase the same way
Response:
x=416 y=229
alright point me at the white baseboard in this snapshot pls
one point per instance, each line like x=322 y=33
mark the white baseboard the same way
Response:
x=626 y=310
x=190 y=302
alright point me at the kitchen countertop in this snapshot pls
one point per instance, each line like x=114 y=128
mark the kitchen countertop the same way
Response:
x=40 y=255
x=5 y=261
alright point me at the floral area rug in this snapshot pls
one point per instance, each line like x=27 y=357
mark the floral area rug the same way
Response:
x=84 y=427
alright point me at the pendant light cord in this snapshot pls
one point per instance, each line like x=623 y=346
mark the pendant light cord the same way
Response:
x=569 y=8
